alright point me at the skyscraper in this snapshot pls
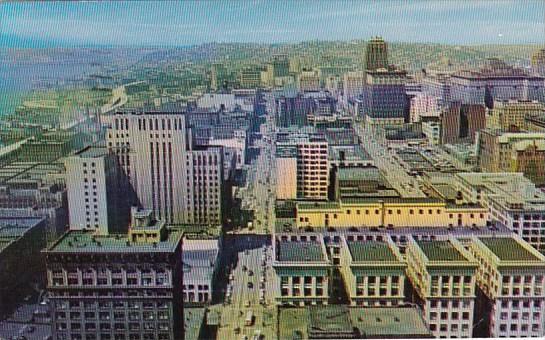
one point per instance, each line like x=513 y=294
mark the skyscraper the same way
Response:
x=157 y=155
x=376 y=54
x=95 y=196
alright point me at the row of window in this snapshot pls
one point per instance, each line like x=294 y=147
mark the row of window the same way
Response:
x=115 y=336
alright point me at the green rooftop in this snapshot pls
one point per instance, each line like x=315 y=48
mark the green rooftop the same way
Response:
x=440 y=251
x=88 y=242
x=365 y=251
x=337 y=321
x=359 y=174
x=389 y=322
x=300 y=251
x=508 y=249
x=317 y=205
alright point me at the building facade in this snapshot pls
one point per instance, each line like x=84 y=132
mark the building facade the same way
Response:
x=511 y=278
x=112 y=287
x=302 y=270
x=94 y=173
x=442 y=274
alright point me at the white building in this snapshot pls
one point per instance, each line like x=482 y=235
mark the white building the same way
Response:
x=309 y=81
x=94 y=195
x=512 y=199
x=424 y=106
x=163 y=169
x=200 y=265
x=511 y=276
x=432 y=131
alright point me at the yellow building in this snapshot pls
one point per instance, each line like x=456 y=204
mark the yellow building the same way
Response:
x=511 y=276
x=373 y=271
x=390 y=213
x=510 y=115
x=442 y=273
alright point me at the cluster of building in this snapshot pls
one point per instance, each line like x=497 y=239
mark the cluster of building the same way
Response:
x=464 y=284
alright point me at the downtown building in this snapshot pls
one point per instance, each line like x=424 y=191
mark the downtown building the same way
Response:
x=95 y=193
x=512 y=200
x=461 y=122
x=384 y=97
x=512 y=115
x=302 y=165
x=511 y=283
x=164 y=170
x=442 y=273
x=302 y=269
x=373 y=270
x=496 y=81
x=117 y=286
x=524 y=152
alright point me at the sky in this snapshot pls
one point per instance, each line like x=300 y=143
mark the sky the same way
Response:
x=182 y=23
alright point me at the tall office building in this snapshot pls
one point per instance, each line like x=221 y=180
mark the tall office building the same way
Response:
x=384 y=97
x=376 y=54
x=96 y=198
x=250 y=77
x=204 y=180
x=281 y=66
x=219 y=77
x=117 y=287
x=442 y=273
x=310 y=150
x=309 y=81
x=353 y=84
x=461 y=122
x=156 y=152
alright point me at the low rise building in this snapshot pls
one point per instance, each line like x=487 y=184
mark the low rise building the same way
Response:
x=343 y=322
x=500 y=152
x=200 y=266
x=442 y=273
x=390 y=213
x=511 y=199
x=113 y=286
x=373 y=271
x=511 y=278
x=302 y=270
x=510 y=115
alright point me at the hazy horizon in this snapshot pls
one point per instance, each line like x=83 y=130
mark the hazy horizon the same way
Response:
x=191 y=23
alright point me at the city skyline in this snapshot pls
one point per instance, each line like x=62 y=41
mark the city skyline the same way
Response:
x=144 y=23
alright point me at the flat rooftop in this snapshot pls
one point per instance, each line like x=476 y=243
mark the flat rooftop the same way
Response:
x=359 y=174
x=300 y=251
x=508 y=249
x=11 y=229
x=440 y=251
x=371 y=251
x=87 y=242
x=92 y=152
x=372 y=322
